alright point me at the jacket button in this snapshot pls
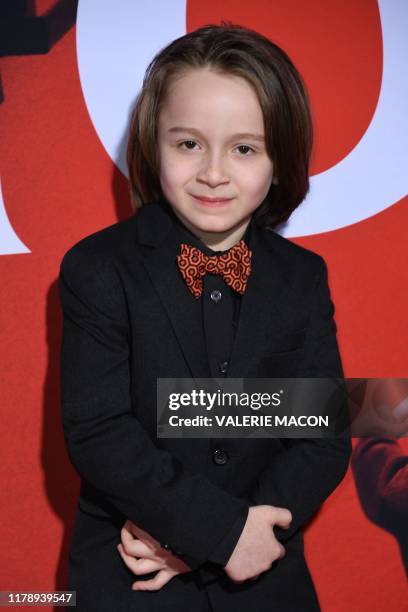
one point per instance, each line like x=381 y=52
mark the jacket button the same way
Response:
x=220 y=456
x=215 y=295
x=224 y=367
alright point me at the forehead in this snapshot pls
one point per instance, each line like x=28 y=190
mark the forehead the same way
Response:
x=205 y=96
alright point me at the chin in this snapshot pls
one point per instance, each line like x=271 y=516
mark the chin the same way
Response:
x=212 y=227
x=205 y=221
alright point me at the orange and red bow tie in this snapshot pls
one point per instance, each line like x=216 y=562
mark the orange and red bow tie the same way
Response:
x=234 y=266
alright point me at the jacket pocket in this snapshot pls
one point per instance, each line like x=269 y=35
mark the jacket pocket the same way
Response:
x=282 y=364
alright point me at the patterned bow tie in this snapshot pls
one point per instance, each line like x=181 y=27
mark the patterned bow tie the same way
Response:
x=234 y=266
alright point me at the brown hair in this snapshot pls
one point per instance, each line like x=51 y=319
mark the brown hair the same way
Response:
x=282 y=95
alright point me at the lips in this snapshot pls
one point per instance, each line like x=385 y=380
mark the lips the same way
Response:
x=211 y=201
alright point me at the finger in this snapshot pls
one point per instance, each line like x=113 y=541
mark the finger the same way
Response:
x=155 y=583
x=128 y=560
x=137 y=548
x=127 y=536
x=282 y=517
x=144 y=535
x=177 y=565
x=134 y=546
x=151 y=547
x=282 y=551
x=401 y=410
x=139 y=566
x=386 y=416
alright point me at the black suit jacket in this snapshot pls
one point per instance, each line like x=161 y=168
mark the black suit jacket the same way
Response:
x=128 y=320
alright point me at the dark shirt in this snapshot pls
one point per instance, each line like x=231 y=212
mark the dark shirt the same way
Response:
x=220 y=315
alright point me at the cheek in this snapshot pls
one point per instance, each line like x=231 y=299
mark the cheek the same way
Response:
x=172 y=173
x=168 y=176
x=164 y=179
x=256 y=182
x=266 y=183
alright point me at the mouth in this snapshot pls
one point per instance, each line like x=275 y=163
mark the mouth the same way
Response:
x=212 y=202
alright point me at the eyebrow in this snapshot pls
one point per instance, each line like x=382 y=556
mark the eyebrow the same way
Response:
x=259 y=137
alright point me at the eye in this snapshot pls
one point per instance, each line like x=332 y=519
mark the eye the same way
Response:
x=245 y=149
x=187 y=144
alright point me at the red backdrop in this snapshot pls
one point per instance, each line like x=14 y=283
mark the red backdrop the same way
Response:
x=59 y=185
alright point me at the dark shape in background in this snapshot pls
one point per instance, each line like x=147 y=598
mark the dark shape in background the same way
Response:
x=380 y=469
x=23 y=32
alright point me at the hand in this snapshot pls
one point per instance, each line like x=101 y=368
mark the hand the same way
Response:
x=143 y=554
x=385 y=410
x=257 y=547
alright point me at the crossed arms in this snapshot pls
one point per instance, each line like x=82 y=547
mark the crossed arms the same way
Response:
x=110 y=449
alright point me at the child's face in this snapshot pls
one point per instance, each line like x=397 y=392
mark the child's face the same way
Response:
x=208 y=147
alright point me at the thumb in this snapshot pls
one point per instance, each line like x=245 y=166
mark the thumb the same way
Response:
x=282 y=517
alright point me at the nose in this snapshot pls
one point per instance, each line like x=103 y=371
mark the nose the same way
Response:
x=212 y=170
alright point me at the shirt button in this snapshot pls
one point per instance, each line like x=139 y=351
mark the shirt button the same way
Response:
x=220 y=456
x=167 y=547
x=215 y=295
x=223 y=367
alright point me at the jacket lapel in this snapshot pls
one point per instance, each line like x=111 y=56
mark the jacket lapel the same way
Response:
x=159 y=237
x=262 y=307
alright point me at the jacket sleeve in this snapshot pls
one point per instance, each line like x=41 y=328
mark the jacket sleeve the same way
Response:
x=106 y=443
x=226 y=547
x=303 y=476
